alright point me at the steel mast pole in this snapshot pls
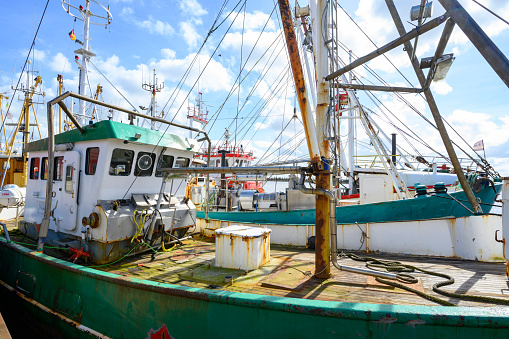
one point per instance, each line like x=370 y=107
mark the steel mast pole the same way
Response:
x=322 y=253
x=434 y=111
x=323 y=180
x=300 y=84
x=84 y=65
x=351 y=133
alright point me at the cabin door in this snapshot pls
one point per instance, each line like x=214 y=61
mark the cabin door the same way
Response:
x=67 y=168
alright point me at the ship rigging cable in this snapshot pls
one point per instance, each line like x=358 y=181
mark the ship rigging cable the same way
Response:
x=490 y=11
x=190 y=91
x=26 y=61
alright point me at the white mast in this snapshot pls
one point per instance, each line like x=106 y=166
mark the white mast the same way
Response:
x=153 y=89
x=351 y=134
x=196 y=113
x=84 y=14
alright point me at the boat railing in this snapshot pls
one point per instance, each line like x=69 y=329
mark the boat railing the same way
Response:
x=420 y=163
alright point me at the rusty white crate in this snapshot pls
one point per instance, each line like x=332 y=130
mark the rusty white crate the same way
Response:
x=242 y=247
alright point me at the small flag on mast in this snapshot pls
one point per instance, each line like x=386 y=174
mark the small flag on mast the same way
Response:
x=71 y=35
x=479 y=146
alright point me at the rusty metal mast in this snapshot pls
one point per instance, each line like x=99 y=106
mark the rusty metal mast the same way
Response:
x=317 y=150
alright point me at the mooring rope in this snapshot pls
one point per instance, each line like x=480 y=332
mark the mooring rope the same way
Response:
x=403 y=269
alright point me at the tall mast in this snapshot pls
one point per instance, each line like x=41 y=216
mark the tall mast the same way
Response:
x=153 y=89
x=60 y=80
x=85 y=14
x=84 y=63
x=351 y=134
x=319 y=17
x=196 y=113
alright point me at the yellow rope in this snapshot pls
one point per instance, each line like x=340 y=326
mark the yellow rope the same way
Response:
x=142 y=223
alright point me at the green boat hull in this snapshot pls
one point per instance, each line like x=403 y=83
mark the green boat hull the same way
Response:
x=422 y=208
x=68 y=300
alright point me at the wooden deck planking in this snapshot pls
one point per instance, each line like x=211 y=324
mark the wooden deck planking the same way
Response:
x=471 y=277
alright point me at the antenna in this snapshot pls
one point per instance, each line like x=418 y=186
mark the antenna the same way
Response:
x=153 y=88
x=85 y=14
x=195 y=113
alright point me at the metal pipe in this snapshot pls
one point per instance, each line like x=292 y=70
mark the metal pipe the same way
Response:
x=435 y=112
x=300 y=84
x=394 y=148
x=236 y=170
x=94 y=101
x=334 y=237
x=442 y=43
x=491 y=53
x=378 y=88
x=158 y=206
x=6 y=232
x=71 y=117
x=403 y=39
x=505 y=220
x=43 y=230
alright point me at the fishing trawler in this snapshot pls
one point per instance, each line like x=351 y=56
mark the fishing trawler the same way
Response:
x=72 y=267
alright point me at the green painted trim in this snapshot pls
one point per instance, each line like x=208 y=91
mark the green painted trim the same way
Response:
x=108 y=129
x=125 y=307
x=422 y=208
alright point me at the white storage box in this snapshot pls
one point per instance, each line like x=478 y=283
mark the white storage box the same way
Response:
x=242 y=247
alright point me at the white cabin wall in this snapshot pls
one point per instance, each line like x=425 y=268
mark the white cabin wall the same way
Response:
x=101 y=185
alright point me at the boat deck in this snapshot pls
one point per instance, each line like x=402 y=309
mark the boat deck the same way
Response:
x=290 y=274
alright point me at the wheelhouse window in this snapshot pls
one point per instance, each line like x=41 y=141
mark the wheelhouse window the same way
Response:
x=181 y=162
x=92 y=157
x=44 y=169
x=59 y=169
x=165 y=161
x=69 y=170
x=35 y=164
x=144 y=164
x=121 y=162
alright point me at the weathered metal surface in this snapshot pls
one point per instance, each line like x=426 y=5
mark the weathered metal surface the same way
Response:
x=242 y=247
x=468 y=238
x=298 y=77
x=405 y=38
x=135 y=306
x=505 y=219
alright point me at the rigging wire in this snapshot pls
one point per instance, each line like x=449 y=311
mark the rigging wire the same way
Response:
x=26 y=61
x=97 y=69
x=240 y=71
x=490 y=11
x=190 y=91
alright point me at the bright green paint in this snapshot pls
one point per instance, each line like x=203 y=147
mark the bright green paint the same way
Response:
x=129 y=308
x=422 y=208
x=108 y=129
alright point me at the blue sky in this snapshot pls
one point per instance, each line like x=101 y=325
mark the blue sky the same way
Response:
x=165 y=35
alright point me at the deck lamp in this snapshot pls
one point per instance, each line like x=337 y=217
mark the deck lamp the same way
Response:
x=442 y=66
x=426 y=13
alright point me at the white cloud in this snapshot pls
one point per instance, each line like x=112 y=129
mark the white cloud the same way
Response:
x=155 y=26
x=441 y=87
x=251 y=21
x=168 y=53
x=150 y=25
x=189 y=33
x=60 y=63
x=192 y=7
